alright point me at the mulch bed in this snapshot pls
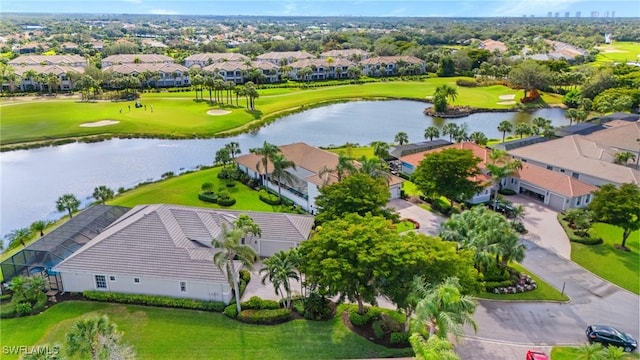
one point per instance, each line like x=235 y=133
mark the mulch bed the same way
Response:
x=367 y=333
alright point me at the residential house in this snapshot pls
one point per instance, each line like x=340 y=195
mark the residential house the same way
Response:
x=556 y=190
x=167 y=250
x=399 y=151
x=30 y=67
x=135 y=59
x=284 y=57
x=204 y=59
x=392 y=65
x=162 y=74
x=239 y=72
x=321 y=69
x=68 y=60
x=589 y=158
x=312 y=171
x=349 y=54
x=493 y=45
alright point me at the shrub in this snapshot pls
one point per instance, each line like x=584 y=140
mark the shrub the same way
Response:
x=265 y=317
x=210 y=198
x=269 y=198
x=298 y=306
x=4 y=297
x=259 y=304
x=378 y=330
x=506 y=191
x=154 y=300
x=490 y=285
x=519 y=227
x=245 y=275
x=231 y=311
x=316 y=307
x=229 y=201
x=399 y=337
x=466 y=83
x=357 y=319
x=8 y=310
x=23 y=308
x=587 y=240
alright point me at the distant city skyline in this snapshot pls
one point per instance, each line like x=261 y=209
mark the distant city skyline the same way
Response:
x=395 y=8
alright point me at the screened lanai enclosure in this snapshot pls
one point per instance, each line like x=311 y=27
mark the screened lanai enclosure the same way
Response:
x=40 y=257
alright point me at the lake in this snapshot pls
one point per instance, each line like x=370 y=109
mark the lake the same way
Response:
x=32 y=180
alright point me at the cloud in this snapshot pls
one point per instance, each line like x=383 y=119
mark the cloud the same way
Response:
x=163 y=12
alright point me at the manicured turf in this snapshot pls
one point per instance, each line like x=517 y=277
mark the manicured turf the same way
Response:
x=177 y=114
x=543 y=292
x=184 y=190
x=158 y=333
x=619 y=267
x=354 y=152
x=618 y=51
x=572 y=353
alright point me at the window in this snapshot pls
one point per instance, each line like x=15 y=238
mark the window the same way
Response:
x=562 y=171
x=586 y=201
x=578 y=201
x=112 y=278
x=101 y=282
x=575 y=175
x=136 y=280
x=549 y=167
x=183 y=286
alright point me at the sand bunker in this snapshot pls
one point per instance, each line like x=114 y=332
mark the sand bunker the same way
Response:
x=218 y=112
x=100 y=123
x=507 y=97
x=510 y=102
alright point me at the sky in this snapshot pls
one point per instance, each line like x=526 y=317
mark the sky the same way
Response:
x=399 y=8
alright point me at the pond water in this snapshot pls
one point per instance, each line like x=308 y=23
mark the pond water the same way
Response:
x=32 y=180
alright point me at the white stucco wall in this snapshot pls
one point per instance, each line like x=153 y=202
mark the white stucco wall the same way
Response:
x=202 y=290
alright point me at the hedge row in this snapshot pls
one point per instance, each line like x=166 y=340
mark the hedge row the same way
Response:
x=399 y=337
x=265 y=317
x=226 y=201
x=210 y=198
x=268 y=199
x=154 y=300
x=363 y=319
x=12 y=309
x=256 y=303
x=490 y=285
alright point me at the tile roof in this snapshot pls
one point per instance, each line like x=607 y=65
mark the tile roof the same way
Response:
x=132 y=68
x=582 y=155
x=270 y=56
x=321 y=62
x=554 y=181
x=48 y=69
x=390 y=60
x=478 y=151
x=48 y=59
x=171 y=241
x=343 y=53
x=143 y=58
x=618 y=134
x=217 y=57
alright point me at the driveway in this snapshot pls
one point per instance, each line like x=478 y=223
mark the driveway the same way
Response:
x=429 y=222
x=542 y=224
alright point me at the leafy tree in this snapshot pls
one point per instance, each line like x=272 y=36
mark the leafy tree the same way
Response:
x=97 y=338
x=434 y=348
x=529 y=75
x=440 y=96
x=505 y=127
x=618 y=207
x=223 y=156
x=401 y=138
x=446 y=67
x=280 y=166
x=279 y=269
x=450 y=173
x=267 y=151
x=431 y=132
x=69 y=203
x=479 y=138
x=358 y=193
x=443 y=310
x=232 y=251
x=345 y=256
x=18 y=237
x=103 y=194
x=599 y=82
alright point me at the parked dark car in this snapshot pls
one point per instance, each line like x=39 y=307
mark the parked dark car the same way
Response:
x=607 y=335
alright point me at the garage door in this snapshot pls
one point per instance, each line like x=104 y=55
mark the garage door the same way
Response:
x=556 y=202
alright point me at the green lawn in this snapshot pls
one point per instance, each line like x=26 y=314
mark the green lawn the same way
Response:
x=158 y=333
x=571 y=353
x=184 y=190
x=354 y=152
x=543 y=292
x=178 y=115
x=619 y=267
x=618 y=51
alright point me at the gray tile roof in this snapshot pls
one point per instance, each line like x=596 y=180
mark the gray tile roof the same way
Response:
x=173 y=242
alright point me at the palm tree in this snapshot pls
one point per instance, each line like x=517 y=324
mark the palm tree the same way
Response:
x=248 y=226
x=375 y=168
x=572 y=114
x=504 y=127
x=102 y=193
x=615 y=353
x=279 y=269
x=39 y=226
x=234 y=149
x=450 y=129
x=401 y=138
x=267 y=151
x=479 y=138
x=97 y=338
x=509 y=248
x=432 y=348
x=517 y=213
x=18 y=237
x=68 y=202
x=431 y=132
x=540 y=125
x=232 y=250
x=443 y=310
x=594 y=351
x=380 y=149
x=522 y=129
x=621 y=158
x=280 y=166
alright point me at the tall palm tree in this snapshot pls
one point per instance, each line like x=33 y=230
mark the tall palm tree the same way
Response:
x=279 y=269
x=444 y=310
x=509 y=248
x=103 y=194
x=541 y=125
x=522 y=129
x=234 y=149
x=431 y=132
x=97 y=338
x=380 y=149
x=232 y=250
x=18 y=237
x=267 y=151
x=401 y=138
x=505 y=127
x=68 y=202
x=280 y=166
x=479 y=138
x=39 y=226
x=450 y=129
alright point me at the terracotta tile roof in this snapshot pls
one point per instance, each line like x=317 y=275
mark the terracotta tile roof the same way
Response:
x=271 y=56
x=321 y=62
x=217 y=57
x=343 y=53
x=131 y=58
x=478 y=151
x=554 y=181
x=48 y=69
x=391 y=60
x=128 y=69
x=48 y=59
